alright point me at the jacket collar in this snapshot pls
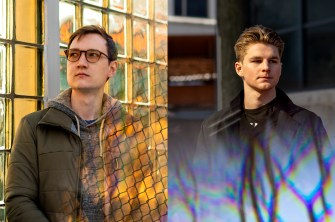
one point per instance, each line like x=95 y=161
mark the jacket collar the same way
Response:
x=57 y=118
x=284 y=103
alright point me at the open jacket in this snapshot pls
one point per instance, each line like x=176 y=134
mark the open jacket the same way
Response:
x=47 y=171
x=283 y=172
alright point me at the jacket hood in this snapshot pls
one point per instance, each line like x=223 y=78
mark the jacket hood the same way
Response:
x=63 y=103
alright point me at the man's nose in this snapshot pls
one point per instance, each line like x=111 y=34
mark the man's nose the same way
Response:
x=82 y=58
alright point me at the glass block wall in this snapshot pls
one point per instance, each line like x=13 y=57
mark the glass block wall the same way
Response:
x=139 y=28
x=21 y=72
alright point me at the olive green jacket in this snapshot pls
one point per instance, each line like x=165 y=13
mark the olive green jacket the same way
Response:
x=45 y=164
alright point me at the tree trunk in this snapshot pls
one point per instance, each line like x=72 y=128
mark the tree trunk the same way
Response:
x=232 y=20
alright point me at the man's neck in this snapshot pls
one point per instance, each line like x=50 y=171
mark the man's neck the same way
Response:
x=254 y=100
x=87 y=105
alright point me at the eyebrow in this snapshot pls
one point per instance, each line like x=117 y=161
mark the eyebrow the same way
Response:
x=260 y=57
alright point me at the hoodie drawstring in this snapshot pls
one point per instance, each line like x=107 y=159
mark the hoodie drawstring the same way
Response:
x=101 y=145
x=100 y=137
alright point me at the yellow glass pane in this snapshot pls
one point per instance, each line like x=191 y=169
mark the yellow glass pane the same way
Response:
x=140 y=82
x=117 y=29
x=23 y=107
x=3 y=66
x=160 y=94
x=161 y=10
x=3 y=19
x=67 y=16
x=92 y=17
x=140 y=8
x=161 y=32
x=28 y=20
x=118 y=5
x=28 y=79
x=94 y=2
x=140 y=39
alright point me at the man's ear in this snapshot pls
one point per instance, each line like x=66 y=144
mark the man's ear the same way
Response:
x=238 y=69
x=112 y=68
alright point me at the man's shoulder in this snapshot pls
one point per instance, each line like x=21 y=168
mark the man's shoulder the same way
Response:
x=221 y=120
x=35 y=116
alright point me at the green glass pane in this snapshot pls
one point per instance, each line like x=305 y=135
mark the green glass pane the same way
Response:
x=3 y=123
x=161 y=85
x=2 y=214
x=117 y=84
x=140 y=82
x=161 y=43
x=3 y=19
x=3 y=74
x=2 y=175
x=63 y=80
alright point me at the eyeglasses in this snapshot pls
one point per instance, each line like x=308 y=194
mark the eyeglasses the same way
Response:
x=91 y=55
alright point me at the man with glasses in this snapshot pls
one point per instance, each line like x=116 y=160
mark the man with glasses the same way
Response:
x=83 y=158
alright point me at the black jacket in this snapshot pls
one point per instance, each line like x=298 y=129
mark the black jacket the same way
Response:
x=281 y=172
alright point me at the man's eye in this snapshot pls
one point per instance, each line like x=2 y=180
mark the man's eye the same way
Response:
x=93 y=54
x=73 y=54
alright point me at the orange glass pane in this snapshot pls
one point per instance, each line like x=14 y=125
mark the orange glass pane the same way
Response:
x=161 y=31
x=118 y=4
x=117 y=29
x=140 y=39
x=140 y=8
x=67 y=22
x=161 y=10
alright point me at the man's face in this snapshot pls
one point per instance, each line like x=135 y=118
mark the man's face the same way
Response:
x=85 y=76
x=260 y=68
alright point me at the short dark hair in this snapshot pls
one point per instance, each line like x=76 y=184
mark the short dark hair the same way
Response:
x=94 y=29
x=257 y=34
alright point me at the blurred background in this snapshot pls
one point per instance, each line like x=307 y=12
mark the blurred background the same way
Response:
x=201 y=75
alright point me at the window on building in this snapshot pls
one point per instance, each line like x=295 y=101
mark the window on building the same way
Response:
x=192 y=8
x=309 y=55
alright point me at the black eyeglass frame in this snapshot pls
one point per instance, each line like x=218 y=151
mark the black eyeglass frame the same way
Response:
x=85 y=52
